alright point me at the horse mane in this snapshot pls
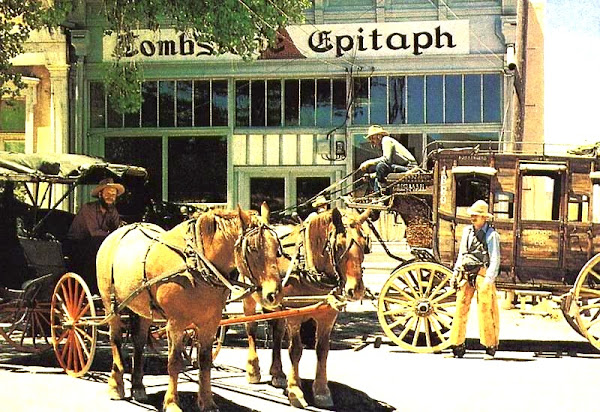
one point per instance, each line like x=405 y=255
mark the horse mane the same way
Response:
x=213 y=221
x=316 y=237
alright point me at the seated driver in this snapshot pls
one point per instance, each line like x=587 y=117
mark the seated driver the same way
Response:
x=92 y=224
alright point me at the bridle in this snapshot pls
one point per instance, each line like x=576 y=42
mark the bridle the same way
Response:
x=243 y=247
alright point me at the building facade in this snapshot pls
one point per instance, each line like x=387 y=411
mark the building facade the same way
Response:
x=283 y=126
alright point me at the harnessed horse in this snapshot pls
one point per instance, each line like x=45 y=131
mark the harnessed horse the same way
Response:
x=334 y=248
x=183 y=275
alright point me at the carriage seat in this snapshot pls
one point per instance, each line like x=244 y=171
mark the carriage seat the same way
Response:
x=43 y=257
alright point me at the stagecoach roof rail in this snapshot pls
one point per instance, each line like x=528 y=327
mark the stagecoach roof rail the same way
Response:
x=481 y=170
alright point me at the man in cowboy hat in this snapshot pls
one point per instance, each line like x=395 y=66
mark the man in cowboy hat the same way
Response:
x=395 y=157
x=476 y=269
x=321 y=204
x=93 y=222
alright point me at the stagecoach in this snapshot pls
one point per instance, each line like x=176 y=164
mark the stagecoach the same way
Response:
x=546 y=209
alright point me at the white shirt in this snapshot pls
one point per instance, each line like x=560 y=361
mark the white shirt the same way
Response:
x=393 y=153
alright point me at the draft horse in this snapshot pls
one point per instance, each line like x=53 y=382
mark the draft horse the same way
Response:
x=161 y=264
x=334 y=248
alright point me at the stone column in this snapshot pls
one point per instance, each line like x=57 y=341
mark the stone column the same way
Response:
x=30 y=102
x=59 y=112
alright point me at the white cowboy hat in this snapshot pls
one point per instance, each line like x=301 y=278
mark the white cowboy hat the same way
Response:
x=319 y=201
x=479 y=208
x=108 y=182
x=376 y=129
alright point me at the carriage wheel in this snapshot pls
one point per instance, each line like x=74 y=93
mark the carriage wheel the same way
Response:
x=26 y=325
x=585 y=304
x=416 y=307
x=73 y=334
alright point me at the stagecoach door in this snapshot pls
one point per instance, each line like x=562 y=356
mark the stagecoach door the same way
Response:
x=539 y=217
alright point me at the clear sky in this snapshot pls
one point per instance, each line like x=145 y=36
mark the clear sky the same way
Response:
x=572 y=71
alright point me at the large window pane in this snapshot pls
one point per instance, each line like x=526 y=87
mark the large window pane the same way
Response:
x=307 y=187
x=242 y=103
x=12 y=115
x=378 y=100
x=307 y=102
x=473 y=98
x=149 y=111
x=114 y=118
x=267 y=189
x=166 y=97
x=202 y=103
x=184 y=103
x=435 y=99
x=323 y=102
x=219 y=103
x=396 y=100
x=97 y=104
x=492 y=88
x=416 y=100
x=292 y=102
x=132 y=119
x=360 y=113
x=126 y=150
x=190 y=180
x=339 y=102
x=453 y=99
x=273 y=103
x=258 y=103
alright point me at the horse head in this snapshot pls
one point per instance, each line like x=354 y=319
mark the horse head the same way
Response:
x=337 y=245
x=256 y=256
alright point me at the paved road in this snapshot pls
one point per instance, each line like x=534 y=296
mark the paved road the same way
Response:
x=542 y=365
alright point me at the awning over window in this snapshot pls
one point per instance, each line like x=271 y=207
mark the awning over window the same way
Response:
x=542 y=167
x=478 y=170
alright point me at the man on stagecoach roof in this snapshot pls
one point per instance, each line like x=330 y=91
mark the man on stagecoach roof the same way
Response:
x=395 y=157
x=476 y=268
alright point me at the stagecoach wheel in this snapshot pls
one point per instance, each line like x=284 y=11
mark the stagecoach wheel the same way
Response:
x=25 y=325
x=416 y=307
x=73 y=333
x=585 y=304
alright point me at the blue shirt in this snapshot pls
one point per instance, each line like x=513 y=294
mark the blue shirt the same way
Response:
x=492 y=239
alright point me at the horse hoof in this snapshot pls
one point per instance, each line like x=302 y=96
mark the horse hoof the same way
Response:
x=279 y=382
x=209 y=408
x=139 y=394
x=323 y=401
x=253 y=378
x=116 y=393
x=172 y=407
x=296 y=398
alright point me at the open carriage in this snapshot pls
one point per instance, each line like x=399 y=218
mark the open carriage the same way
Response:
x=546 y=210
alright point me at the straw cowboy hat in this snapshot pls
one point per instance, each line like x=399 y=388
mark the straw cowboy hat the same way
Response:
x=104 y=183
x=376 y=129
x=319 y=201
x=479 y=208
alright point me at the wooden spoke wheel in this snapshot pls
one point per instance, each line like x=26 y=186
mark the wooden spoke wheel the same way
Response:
x=417 y=305
x=73 y=331
x=585 y=303
x=25 y=325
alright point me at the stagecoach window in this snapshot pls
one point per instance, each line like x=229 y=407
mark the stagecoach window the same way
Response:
x=292 y=102
x=97 y=105
x=184 y=104
x=166 y=97
x=435 y=99
x=491 y=98
x=540 y=199
x=274 y=103
x=323 y=115
x=378 y=100
x=416 y=99
x=306 y=188
x=307 y=102
x=453 y=99
x=396 y=100
x=267 y=189
x=194 y=175
x=126 y=150
x=504 y=205
x=470 y=188
x=257 y=91
x=360 y=112
x=578 y=208
x=149 y=104
x=473 y=98
x=242 y=103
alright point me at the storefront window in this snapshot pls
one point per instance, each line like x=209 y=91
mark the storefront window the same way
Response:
x=219 y=103
x=267 y=189
x=184 y=104
x=97 y=105
x=273 y=103
x=12 y=125
x=242 y=103
x=166 y=101
x=202 y=102
x=360 y=113
x=453 y=99
x=340 y=109
x=324 y=104
x=378 y=100
x=258 y=103
x=473 y=98
x=292 y=102
x=198 y=170
x=306 y=188
x=149 y=104
x=416 y=99
x=491 y=97
x=435 y=99
x=307 y=102
x=396 y=100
